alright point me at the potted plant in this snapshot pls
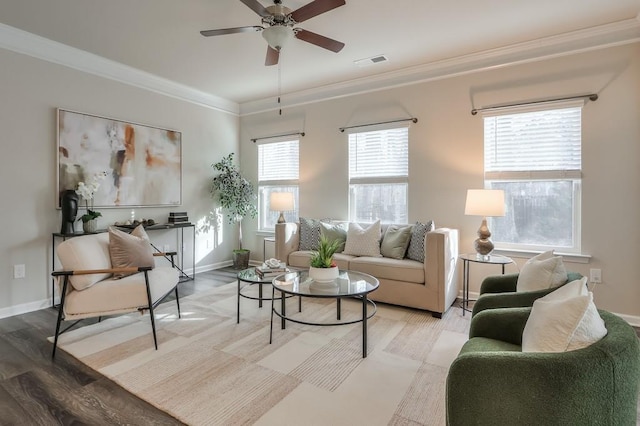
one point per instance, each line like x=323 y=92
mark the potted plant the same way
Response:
x=322 y=266
x=236 y=195
x=87 y=192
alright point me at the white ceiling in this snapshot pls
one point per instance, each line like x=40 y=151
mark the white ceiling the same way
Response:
x=162 y=37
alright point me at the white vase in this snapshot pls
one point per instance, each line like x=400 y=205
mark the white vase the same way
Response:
x=323 y=275
x=90 y=226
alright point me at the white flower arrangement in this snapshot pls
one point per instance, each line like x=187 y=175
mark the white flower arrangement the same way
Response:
x=87 y=191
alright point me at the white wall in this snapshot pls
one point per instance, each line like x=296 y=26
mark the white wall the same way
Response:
x=446 y=148
x=30 y=92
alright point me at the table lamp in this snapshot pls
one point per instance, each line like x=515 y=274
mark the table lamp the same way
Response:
x=281 y=202
x=484 y=202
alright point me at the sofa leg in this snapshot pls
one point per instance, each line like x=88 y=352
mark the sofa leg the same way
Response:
x=178 y=301
x=436 y=315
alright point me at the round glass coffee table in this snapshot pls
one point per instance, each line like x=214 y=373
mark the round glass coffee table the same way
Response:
x=348 y=284
x=250 y=277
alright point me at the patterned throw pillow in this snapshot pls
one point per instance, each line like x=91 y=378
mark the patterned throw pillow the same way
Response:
x=309 y=234
x=363 y=241
x=416 y=244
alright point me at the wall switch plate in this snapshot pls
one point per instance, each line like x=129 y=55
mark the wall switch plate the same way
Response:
x=595 y=276
x=19 y=271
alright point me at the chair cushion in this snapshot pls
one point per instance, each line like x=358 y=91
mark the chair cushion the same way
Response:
x=85 y=252
x=395 y=241
x=542 y=271
x=129 y=250
x=563 y=320
x=416 y=249
x=363 y=241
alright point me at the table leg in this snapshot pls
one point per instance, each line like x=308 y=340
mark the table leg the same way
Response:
x=465 y=287
x=260 y=295
x=273 y=298
x=283 y=309
x=339 y=308
x=299 y=303
x=238 y=319
x=364 y=326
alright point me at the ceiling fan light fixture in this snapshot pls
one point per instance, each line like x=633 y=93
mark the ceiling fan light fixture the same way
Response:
x=277 y=36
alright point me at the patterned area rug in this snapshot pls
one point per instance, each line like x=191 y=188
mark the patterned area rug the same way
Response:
x=208 y=370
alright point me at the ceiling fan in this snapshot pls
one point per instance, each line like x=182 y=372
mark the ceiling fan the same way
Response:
x=278 y=24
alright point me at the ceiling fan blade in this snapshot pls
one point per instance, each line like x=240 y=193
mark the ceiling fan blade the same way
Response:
x=257 y=7
x=315 y=8
x=273 y=56
x=319 y=40
x=209 y=33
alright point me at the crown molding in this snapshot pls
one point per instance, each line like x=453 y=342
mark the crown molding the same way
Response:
x=26 y=43
x=603 y=36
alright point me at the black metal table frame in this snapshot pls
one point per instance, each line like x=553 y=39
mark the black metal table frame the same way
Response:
x=464 y=304
x=260 y=297
x=283 y=315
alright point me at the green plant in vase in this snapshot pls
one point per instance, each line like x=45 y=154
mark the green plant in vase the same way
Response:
x=323 y=257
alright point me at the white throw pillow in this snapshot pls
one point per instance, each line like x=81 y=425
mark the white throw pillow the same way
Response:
x=563 y=320
x=363 y=241
x=542 y=271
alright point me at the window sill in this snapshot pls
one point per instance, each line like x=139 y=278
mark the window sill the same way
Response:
x=527 y=254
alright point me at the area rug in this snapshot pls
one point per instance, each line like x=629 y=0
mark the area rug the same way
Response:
x=209 y=370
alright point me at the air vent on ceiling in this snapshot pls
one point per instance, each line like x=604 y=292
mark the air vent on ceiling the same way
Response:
x=371 y=61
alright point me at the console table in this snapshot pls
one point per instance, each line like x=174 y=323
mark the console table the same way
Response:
x=178 y=227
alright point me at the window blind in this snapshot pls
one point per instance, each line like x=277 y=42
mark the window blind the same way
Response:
x=537 y=142
x=376 y=154
x=278 y=161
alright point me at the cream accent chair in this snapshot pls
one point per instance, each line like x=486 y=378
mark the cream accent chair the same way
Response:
x=88 y=289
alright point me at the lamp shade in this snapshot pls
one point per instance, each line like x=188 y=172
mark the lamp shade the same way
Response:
x=484 y=202
x=277 y=36
x=281 y=201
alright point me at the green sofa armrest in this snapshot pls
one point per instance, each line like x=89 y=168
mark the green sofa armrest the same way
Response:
x=500 y=324
x=499 y=283
x=593 y=385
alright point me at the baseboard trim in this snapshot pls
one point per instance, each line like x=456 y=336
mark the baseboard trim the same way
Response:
x=26 y=308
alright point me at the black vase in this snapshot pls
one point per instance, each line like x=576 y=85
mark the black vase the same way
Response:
x=69 y=204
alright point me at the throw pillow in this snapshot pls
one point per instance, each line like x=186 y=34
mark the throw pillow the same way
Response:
x=542 y=271
x=363 y=241
x=129 y=250
x=334 y=232
x=309 y=234
x=395 y=241
x=564 y=320
x=416 y=248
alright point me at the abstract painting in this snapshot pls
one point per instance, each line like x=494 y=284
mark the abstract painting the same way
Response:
x=143 y=164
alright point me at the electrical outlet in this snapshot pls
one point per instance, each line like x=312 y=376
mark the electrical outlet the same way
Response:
x=595 y=276
x=166 y=248
x=19 y=271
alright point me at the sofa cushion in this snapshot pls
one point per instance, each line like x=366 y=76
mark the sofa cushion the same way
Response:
x=85 y=252
x=129 y=250
x=309 y=234
x=334 y=231
x=108 y=295
x=563 y=320
x=395 y=241
x=363 y=241
x=389 y=269
x=416 y=249
x=542 y=271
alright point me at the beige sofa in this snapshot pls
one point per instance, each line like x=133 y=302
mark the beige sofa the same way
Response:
x=431 y=285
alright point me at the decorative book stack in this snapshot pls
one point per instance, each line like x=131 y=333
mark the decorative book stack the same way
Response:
x=265 y=271
x=179 y=218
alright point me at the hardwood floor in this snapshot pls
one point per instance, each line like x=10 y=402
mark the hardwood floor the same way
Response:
x=37 y=391
x=34 y=390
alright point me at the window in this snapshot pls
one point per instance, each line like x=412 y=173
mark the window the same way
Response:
x=277 y=172
x=379 y=175
x=535 y=156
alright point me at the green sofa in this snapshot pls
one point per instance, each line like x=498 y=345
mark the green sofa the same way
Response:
x=499 y=291
x=492 y=382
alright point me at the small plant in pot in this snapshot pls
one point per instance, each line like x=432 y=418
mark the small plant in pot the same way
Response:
x=322 y=266
x=236 y=195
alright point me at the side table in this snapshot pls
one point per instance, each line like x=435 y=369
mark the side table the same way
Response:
x=467 y=259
